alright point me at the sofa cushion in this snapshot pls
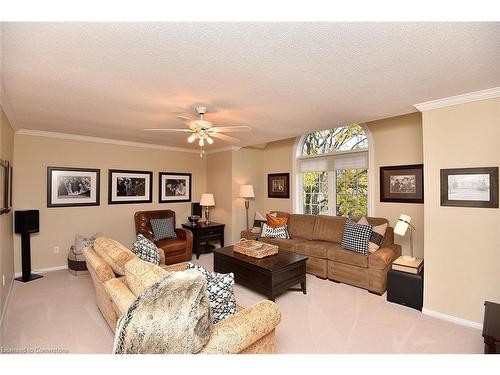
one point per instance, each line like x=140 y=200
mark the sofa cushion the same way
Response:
x=356 y=237
x=329 y=228
x=113 y=253
x=274 y=232
x=163 y=228
x=146 y=250
x=338 y=254
x=316 y=249
x=301 y=226
x=283 y=243
x=171 y=244
x=141 y=275
x=377 y=236
x=274 y=221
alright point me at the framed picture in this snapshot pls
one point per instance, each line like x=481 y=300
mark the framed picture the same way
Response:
x=470 y=187
x=174 y=187
x=4 y=187
x=126 y=186
x=402 y=183
x=72 y=187
x=278 y=185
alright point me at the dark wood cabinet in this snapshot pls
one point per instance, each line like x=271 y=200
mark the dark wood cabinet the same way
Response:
x=491 y=328
x=203 y=234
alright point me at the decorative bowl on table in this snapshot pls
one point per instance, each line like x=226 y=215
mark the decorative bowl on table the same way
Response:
x=194 y=219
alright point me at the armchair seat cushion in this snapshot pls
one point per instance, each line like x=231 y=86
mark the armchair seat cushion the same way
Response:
x=170 y=245
x=338 y=254
x=316 y=249
x=283 y=243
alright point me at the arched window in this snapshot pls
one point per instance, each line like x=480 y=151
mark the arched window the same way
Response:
x=333 y=172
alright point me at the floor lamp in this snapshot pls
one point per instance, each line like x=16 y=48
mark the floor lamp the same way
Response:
x=246 y=191
x=401 y=227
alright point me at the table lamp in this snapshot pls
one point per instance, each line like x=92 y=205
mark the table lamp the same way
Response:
x=246 y=191
x=401 y=227
x=207 y=200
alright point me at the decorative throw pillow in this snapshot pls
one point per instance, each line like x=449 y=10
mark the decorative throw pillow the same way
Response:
x=276 y=232
x=146 y=250
x=220 y=292
x=356 y=237
x=82 y=242
x=274 y=221
x=163 y=228
x=377 y=236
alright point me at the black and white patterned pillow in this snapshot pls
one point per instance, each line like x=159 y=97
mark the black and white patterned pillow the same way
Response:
x=274 y=232
x=356 y=237
x=163 y=228
x=220 y=292
x=146 y=250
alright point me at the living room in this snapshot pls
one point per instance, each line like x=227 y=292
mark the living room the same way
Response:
x=342 y=167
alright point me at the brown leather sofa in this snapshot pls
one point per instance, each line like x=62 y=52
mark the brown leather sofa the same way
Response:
x=176 y=250
x=318 y=238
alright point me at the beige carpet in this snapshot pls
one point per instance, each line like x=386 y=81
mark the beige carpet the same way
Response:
x=59 y=312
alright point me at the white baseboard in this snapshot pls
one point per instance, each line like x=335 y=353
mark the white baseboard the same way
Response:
x=44 y=270
x=4 y=310
x=453 y=319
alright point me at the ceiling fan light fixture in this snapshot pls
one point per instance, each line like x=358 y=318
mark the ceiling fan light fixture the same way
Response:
x=201 y=142
x=210 y=140
x=192 y=137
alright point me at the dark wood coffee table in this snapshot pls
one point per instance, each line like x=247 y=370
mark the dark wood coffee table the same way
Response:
x=270 y=276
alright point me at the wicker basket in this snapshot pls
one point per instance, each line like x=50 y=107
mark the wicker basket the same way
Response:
x=255 y=249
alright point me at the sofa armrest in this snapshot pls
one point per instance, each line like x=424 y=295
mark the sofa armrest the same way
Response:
x=120 y=294
x=241 y=330
x=187 y=235
x=383 y=257
x=102 y=270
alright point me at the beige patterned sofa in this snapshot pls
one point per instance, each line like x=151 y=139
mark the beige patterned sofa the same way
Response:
x=250 y=330
x=318 y=237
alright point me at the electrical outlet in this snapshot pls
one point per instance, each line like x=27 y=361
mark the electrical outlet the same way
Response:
x=56 y=249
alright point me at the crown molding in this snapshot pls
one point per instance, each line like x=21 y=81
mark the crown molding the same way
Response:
x=229 y=148
x=84 y=138
x=5 y=103
x=459 y=99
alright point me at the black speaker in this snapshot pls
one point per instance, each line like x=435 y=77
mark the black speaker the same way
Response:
x=195 y=209
x=27 y=221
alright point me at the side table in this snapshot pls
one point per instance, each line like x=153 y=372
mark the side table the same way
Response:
x=405 y=288
x=204 y=233
x=491 y=328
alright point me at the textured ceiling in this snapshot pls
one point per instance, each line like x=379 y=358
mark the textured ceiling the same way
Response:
x=283 y=79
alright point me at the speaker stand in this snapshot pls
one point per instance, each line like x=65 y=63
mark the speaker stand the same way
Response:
x=26 y=260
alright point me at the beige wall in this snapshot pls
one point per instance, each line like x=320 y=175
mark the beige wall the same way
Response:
x=6 y=232
x=398 y=141
x=58 y=226
x=219 y=183
x=462 y=245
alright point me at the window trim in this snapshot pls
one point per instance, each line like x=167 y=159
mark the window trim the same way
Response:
x=297 y=184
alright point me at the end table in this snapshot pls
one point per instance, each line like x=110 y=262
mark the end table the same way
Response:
x=204 y=233
x=405 y=288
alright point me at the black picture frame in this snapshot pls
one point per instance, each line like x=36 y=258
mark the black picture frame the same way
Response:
x=53 y=199
x=116 y=197
x=278 y=185
x=5 y=187
x=471 y=188
x=402 y=183
x=164 y=192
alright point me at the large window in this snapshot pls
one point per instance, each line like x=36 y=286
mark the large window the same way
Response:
x=333 y=167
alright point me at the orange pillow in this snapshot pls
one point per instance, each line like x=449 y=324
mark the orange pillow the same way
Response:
x=276 y=221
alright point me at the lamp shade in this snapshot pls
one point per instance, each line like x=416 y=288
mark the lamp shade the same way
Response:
x=207 y=200
x=246 y=191
x=402 y=224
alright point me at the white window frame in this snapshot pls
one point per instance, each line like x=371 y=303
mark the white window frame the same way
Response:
x=298 y=183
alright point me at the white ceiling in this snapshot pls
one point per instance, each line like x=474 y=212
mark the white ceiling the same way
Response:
x=112 y=80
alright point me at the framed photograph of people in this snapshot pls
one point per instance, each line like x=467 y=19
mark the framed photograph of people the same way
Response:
x=72 y=187
x=470 y=187
x=175 y=187
x=278 y=185
x=402 y=183
x=125 y=186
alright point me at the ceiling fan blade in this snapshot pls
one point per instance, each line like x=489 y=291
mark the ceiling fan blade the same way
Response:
x=229 y=129
x=184 y=117
x=224 y=137
x=170 y=130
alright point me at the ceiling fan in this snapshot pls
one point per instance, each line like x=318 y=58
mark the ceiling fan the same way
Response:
x=204 y=131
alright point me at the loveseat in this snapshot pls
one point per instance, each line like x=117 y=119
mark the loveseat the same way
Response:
x=250 y=330
x=318 y=237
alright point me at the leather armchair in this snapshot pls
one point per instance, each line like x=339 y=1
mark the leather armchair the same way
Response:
x=175 y=250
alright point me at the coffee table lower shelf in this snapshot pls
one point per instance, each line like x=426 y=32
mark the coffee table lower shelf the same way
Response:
x=269 y=276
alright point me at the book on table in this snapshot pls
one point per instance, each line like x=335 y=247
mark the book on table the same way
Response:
x=408 y=265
